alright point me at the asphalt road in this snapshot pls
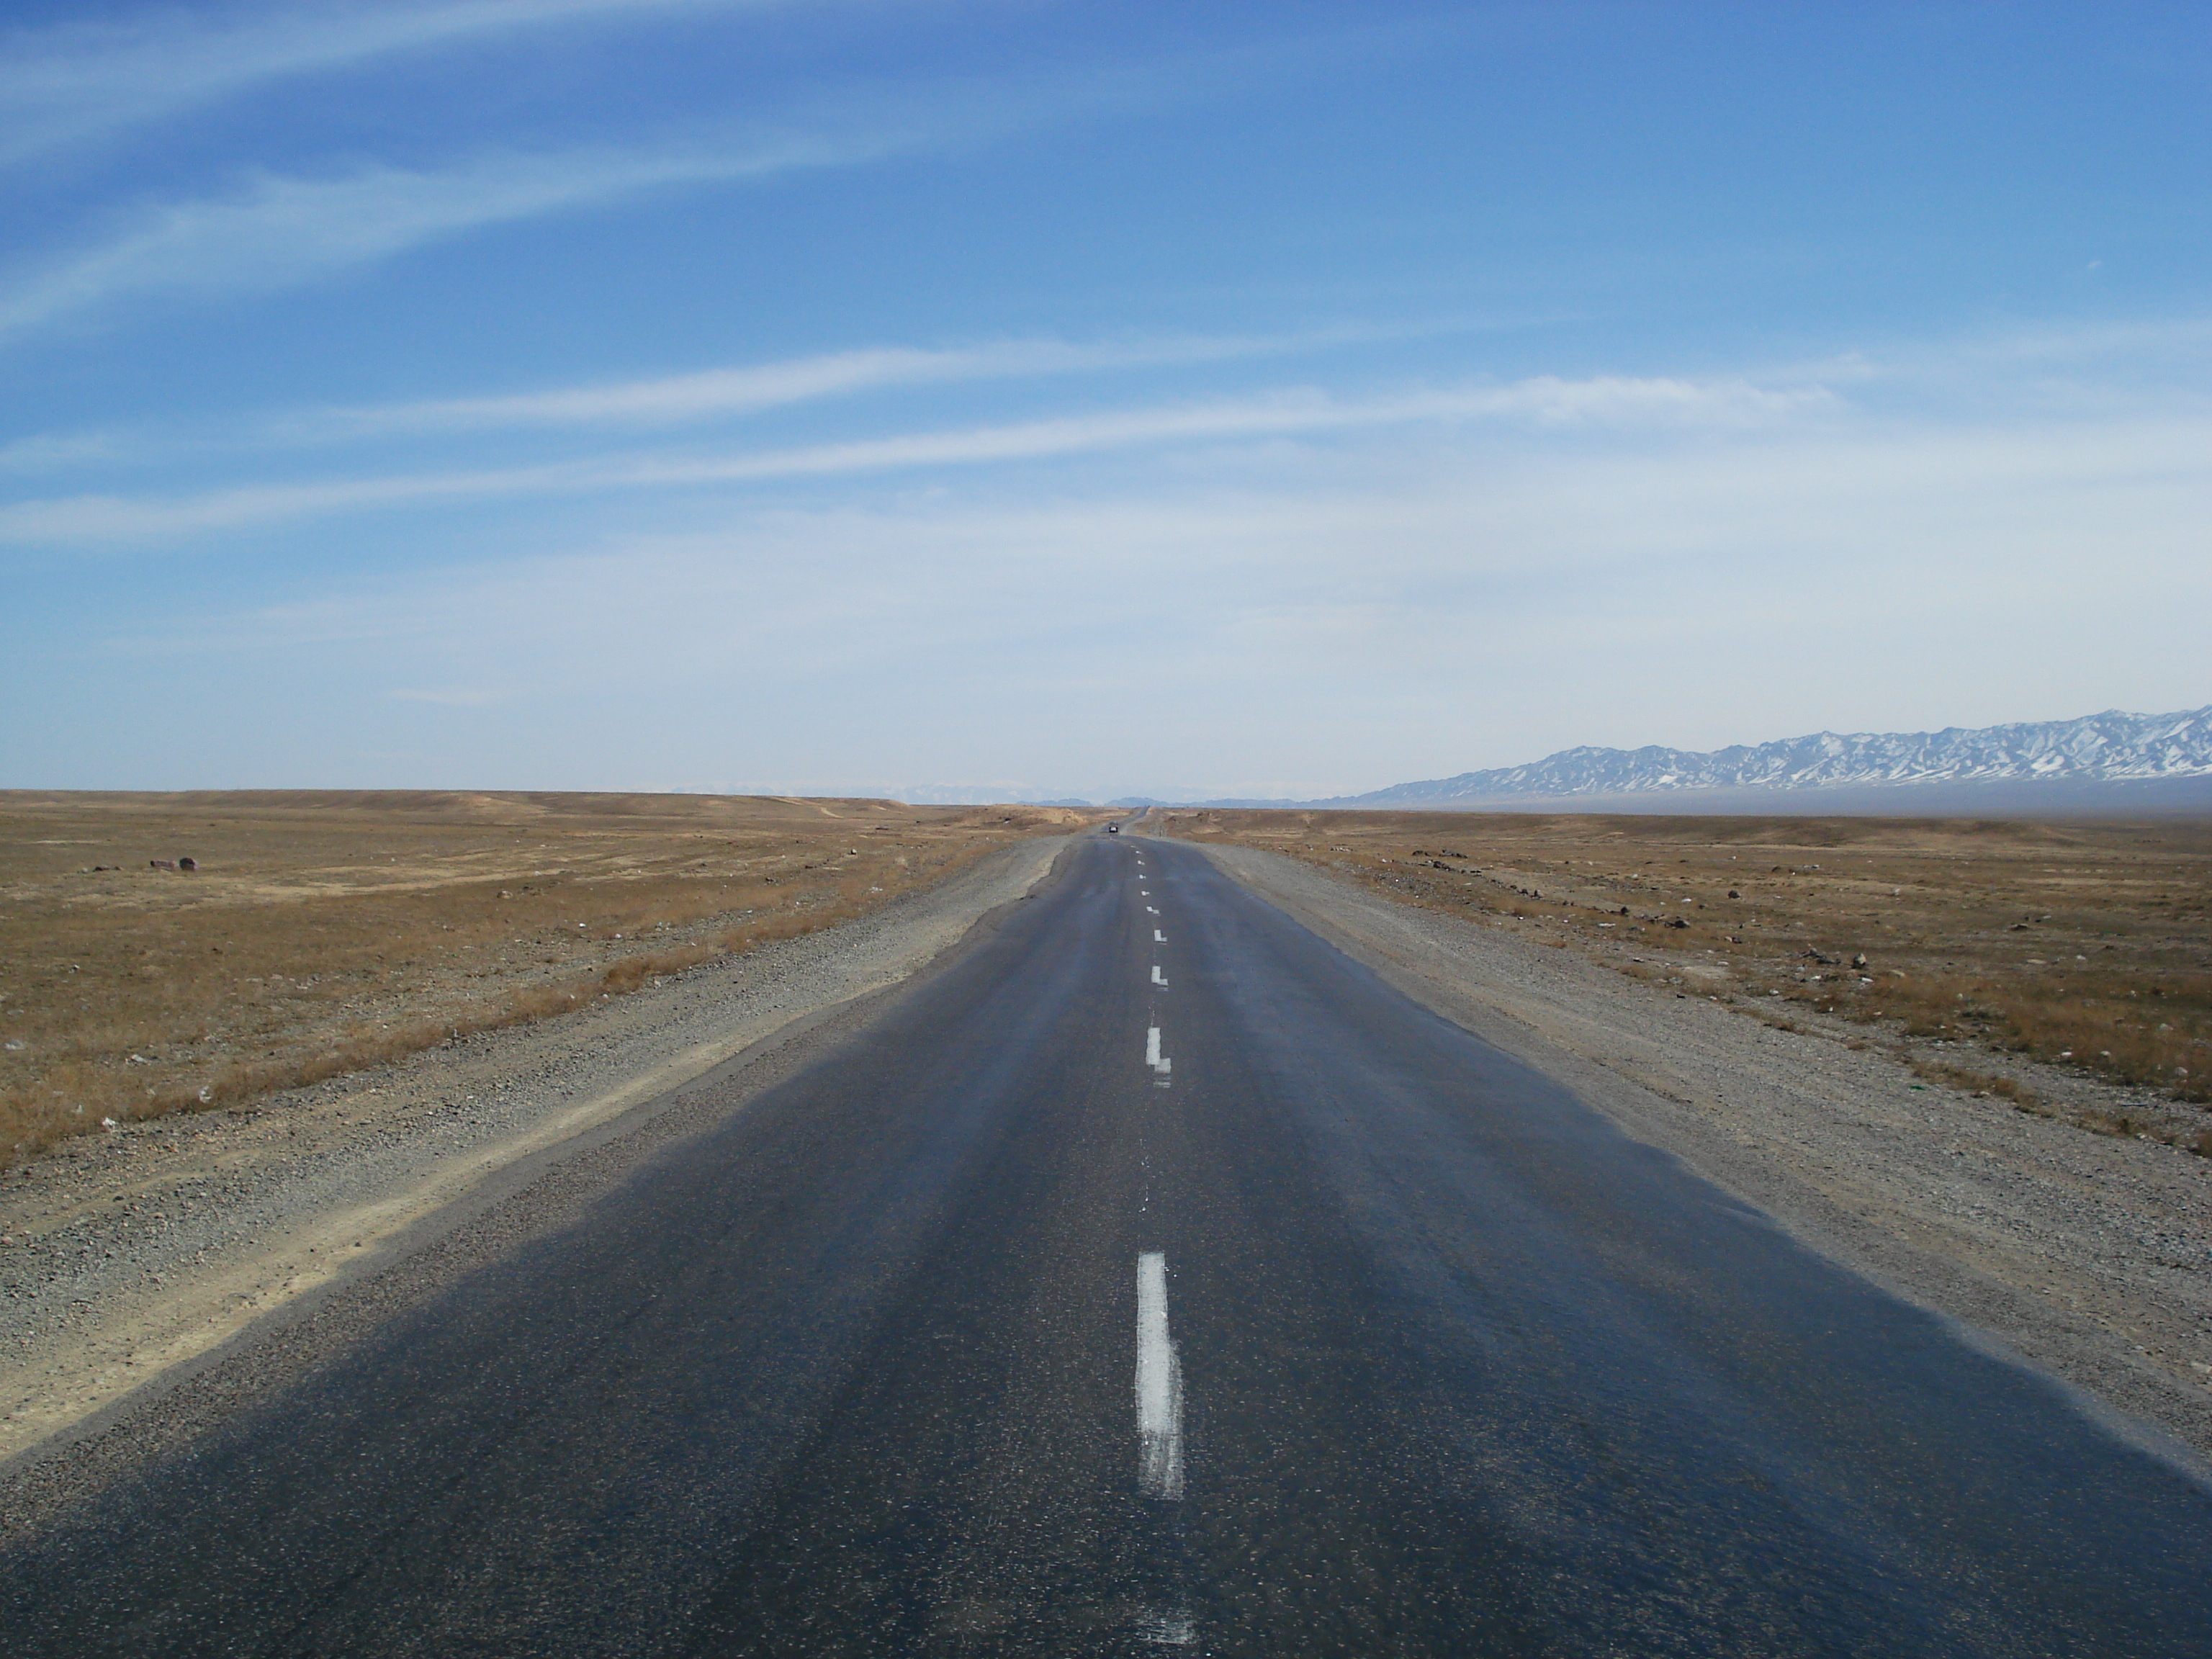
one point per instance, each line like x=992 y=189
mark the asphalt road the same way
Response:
x=1153 y=1276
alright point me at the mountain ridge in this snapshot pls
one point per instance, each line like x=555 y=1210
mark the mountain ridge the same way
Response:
x=2159 y=762
x=2114 y=746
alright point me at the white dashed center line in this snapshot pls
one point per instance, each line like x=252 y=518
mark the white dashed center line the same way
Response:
x=1158 y=938
x=1160 y=1064
x=1160 y=1385
x=1157 y=979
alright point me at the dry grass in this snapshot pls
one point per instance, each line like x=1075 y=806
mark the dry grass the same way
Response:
x=2080 y=945
x=1977 y=1083
x=324 y=932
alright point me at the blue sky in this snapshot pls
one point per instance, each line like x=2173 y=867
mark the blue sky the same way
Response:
x=1085 y=399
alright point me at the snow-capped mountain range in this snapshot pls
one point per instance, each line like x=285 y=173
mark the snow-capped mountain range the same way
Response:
x=2110 y=747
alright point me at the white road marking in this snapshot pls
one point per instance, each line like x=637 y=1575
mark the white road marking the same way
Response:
x=1156 y=978
x=1160 y=1064
x=1150 y=911
x=1168 y=1630
x=1160 y=1385
x=1158 y=938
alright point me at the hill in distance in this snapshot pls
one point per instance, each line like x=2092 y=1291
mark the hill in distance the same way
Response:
x=2101 y=763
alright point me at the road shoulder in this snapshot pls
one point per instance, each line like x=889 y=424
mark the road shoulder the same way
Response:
x=154 y=1280
x=2083 y=1256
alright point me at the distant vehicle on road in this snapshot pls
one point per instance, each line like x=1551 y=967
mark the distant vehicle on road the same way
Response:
x=1113 y=828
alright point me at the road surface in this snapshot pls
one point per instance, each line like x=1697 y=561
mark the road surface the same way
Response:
x=1152 y=1277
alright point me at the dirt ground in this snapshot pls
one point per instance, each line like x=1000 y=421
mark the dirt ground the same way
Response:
x=2002 y=956
x=253 y=1239
x=312 y=934
x=156 y=1250
x=2085 y=1256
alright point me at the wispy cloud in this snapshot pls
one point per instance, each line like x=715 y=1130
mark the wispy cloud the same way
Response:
x=279 y=231
x=46 y=451
x=672 y=399
x=1451 y=604
x=703 y=395
x=58 y=85
x=1544 y=402
x=1979 y=373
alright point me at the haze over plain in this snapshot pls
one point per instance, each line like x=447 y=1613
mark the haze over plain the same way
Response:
x=1267 y=400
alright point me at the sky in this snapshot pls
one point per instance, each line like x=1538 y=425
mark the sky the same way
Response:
x=1044 y=398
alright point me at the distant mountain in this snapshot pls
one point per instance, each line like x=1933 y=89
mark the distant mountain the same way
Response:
x=2111 y=748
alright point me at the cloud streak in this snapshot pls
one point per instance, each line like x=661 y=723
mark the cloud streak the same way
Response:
x=1456 y=606
x=747 y=389
x=704 y=395
x=1545 y=402
x=280 y=231
x=63 y=85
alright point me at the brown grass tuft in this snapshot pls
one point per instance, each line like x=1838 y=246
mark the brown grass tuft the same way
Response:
x=2083 y=945
x=326 y=933
x=1976 y=1082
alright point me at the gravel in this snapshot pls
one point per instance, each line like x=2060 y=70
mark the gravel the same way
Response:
x=2085 y=1256
x=155 y=1279
x=227 y=1250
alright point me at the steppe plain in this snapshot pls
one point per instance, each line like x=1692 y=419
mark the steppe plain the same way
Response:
x=459 y=1080
x=1941 y=1118
x=315 y=934
x=2000 y=1112
x=1970 y=946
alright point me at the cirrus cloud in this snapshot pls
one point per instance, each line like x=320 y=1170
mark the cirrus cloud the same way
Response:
x=81 y=80
x=1545 y=401
x=278 y=231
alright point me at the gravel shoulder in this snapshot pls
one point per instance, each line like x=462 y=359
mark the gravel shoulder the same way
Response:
x=154 y=1279
x=2088 y=1257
